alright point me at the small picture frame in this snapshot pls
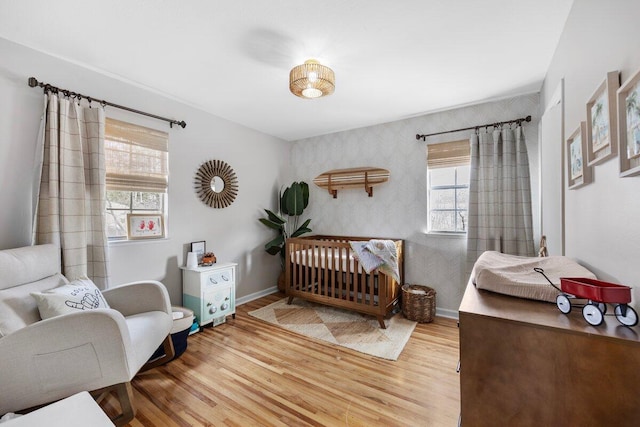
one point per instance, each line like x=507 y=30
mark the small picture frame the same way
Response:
x=602 y=121
x=629 y=126
x=578 y=172
x=199 y=248
x=145 y=226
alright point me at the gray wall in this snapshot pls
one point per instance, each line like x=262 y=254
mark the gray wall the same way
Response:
x=233 y=233
x=602 y=218
x=398 y=208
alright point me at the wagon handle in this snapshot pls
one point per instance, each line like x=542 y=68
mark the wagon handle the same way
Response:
x=541 y=271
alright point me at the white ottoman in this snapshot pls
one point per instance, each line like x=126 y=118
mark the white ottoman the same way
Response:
x=79 y=410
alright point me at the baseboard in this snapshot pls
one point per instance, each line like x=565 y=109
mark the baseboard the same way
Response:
x=256 y=295
x=443 y=312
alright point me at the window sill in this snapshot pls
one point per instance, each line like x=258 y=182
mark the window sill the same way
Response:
x=137 y=241
x=447 y=234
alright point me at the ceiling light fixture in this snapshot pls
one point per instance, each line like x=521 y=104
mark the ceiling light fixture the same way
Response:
x=312 y=80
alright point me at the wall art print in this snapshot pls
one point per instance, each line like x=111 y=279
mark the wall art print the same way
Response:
x=602 y=125
x=145 y=226
x=578 y=172
x=629 y=125
x=575 y=149
x=632 y=110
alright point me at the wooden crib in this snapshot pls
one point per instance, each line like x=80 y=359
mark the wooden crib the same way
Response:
x=322 y=269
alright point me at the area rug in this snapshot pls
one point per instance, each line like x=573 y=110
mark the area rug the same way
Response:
x=340 y=327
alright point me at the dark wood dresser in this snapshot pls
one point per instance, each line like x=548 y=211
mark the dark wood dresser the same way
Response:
x=524 y=363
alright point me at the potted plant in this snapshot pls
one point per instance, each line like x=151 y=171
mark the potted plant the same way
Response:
x=292 y=202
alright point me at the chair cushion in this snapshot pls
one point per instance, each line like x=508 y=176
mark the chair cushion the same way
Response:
x=28 y=264
x=18 y=308
x=146 y=331
x=80 y=294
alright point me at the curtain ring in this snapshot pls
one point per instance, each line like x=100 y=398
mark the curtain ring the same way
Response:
x=103 y=104
x=89 y=99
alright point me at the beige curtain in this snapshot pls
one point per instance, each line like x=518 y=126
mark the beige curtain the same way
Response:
x=72 y=199
x=499 y=195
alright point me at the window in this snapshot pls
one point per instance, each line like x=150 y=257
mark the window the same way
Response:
x=448 y=186
x=137 y=173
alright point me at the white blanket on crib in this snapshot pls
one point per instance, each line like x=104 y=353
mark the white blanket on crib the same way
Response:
x=377 y=254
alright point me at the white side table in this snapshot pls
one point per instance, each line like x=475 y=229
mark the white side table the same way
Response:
x=210 y=292
x=79 y=410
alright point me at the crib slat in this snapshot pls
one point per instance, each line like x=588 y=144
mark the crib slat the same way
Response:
x=363 y=280
x=325 y=270
x=372 y=281
x=300 y=283
x=340 y=284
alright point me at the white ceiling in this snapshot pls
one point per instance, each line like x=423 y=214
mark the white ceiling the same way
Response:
x=392 y=59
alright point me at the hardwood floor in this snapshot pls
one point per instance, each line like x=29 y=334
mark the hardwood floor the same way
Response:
x=249 y=373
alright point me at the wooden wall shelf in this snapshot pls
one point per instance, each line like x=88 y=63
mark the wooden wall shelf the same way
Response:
x=340 y=179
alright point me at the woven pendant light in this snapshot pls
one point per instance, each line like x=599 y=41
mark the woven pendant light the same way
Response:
x=312 y=80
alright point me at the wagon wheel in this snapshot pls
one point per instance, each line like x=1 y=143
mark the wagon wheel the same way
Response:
x=629 y=318
x=603 y=308
x=563 y=303
x=592 y=314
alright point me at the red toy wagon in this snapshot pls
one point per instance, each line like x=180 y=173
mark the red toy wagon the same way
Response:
x=598 y=293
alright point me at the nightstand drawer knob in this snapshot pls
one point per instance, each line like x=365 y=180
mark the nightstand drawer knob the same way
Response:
x=224 y=306
x=213 y=309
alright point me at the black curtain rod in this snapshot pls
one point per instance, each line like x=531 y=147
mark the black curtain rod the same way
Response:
x=33 y=82
x=517 y=121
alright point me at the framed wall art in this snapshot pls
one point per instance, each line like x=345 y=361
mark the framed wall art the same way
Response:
x=629 y=126
x=578 y=172
x=199 y=248
x=602 y=121
x=145 y=226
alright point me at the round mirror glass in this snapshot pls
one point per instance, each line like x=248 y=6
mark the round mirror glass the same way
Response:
x=217 y=184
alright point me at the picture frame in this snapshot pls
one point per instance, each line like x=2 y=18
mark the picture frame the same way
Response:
x=145 y=226
x=199 y=248
x=629 y=126
x=578 y=172
x=602 y=121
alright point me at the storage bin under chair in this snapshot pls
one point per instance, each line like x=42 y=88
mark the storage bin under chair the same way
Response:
x=182 y=321
x=418 y=303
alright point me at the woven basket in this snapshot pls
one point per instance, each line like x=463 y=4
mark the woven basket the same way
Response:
x=418 y=303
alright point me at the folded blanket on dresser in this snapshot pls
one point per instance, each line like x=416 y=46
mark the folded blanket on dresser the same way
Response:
x=377 y=254
x=514 y=275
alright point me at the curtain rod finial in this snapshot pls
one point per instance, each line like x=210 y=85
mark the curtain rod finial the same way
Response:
x=33 y=82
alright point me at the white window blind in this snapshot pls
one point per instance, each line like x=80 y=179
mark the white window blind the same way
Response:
x=448 y=154
x=136 y=157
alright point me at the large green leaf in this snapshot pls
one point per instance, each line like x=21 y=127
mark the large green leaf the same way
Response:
x=283 y=202
x=305 y=194
x=270 y=224
x=275 y=217
x=300 y=231
x=294 y=200
x=273 y=247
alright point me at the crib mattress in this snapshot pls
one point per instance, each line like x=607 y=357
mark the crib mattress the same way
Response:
x=333 y=260
x=515 y=275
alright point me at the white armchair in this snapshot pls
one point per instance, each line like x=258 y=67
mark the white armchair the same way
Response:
x=100 y=350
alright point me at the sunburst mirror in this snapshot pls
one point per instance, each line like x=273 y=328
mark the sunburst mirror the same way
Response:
x=216 y=184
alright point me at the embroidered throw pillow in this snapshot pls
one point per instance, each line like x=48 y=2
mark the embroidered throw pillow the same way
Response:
x=81 y=294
